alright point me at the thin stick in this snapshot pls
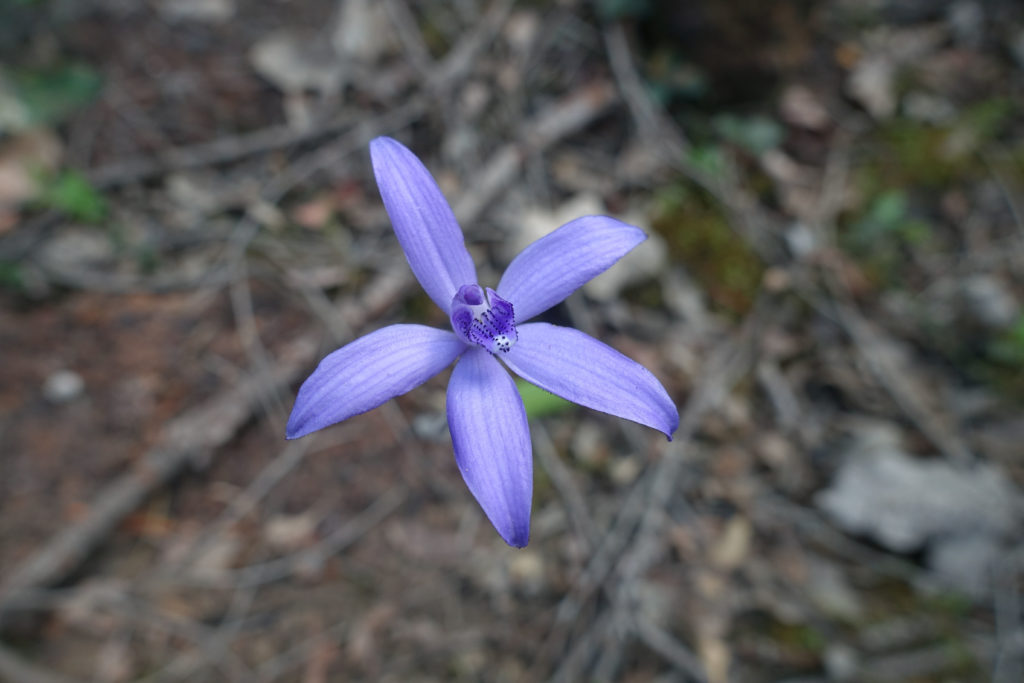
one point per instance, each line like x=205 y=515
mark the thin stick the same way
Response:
x=190 y=439
x=561 y=477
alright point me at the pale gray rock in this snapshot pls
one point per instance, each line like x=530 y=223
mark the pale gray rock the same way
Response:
x=63 y=386
x=842 y=663
x=431 y=427
x=76 y=248
x=966 y=561
x=362 y=30
x=295 y=62
x=989 y=301
x=904 y=502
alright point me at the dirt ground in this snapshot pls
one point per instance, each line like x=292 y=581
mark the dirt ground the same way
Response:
x=832 y=292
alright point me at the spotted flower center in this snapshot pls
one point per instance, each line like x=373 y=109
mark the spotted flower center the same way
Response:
x=483 y=319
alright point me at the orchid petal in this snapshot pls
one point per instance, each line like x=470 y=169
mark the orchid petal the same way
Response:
x=367 y=372
x=579 y=368
x=423 y=221
x=558 y=264
x=492 y=442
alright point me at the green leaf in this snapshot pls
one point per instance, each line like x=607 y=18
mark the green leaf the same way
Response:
x=708 y=158
x=988 y=119
x=540 y=403
x=51 y=94
x=884 y=218
x=71 y=193
x=889 y=209
x=10 y=276
x=757 y=134
x=1008 y=347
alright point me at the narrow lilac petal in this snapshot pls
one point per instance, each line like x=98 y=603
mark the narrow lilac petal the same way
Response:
x=362 y=375
x=492 y=442
x=558 y=264
x=423 y=221
x=579 y=368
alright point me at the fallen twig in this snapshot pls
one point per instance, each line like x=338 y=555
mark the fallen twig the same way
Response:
x=561 y=119
x=191 y=439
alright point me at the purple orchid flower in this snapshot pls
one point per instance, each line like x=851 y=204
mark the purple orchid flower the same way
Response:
x=486 y=416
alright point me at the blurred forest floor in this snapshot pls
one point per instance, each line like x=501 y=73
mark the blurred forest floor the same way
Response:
x=832 y=291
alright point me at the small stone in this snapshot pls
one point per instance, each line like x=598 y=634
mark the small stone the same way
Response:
x=776 y=280
x=775 y=450
x=431 y=427
x=22 y=158
x=732 y=547
x=989 y=301
x=474 y=98
x=588 y=445
x=624 y=471
x=63 y=386
x=886 y=52
x=362 y=31
x=216 y=558
x=287 y=533
x=526 y=572
x=295 y=63
x=905 y=502
x=801 y=240
x=799 y=106
x=74 y=248
x=841 y=662
x=522 y=29
x=872 y=84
